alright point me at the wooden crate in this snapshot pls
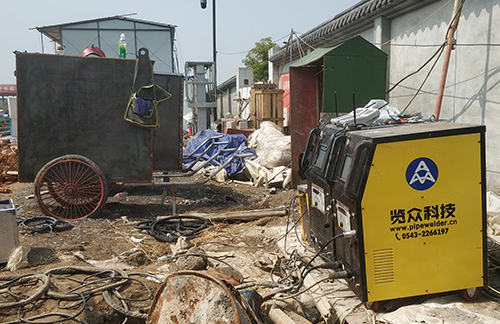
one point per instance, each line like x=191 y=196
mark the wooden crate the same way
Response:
x=266 y=103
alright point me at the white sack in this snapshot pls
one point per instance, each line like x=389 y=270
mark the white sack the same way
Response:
x=272 y=147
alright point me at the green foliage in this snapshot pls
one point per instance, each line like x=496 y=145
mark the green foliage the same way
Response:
x=257 y=59
x=5 y=107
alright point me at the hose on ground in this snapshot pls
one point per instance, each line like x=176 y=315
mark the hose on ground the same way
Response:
x=125 y=310
x=170 y=228
x=25 y=279
x=116 y=278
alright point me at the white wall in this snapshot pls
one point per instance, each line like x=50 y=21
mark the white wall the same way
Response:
x=472 y=93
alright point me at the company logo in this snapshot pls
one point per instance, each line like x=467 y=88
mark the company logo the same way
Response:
x=421 y=174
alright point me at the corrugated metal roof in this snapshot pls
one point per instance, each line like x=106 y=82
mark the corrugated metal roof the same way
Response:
x=54 y=31
x=229 y=83
x=352 y=21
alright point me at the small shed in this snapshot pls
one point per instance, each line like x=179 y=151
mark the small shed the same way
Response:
x=104 y=33
x=325 y=80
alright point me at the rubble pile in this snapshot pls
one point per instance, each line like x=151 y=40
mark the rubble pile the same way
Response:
x=9 y=165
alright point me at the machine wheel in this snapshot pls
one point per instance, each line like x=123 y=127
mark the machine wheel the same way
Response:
x=469 y=294
x=371 y=306
x=71 y=187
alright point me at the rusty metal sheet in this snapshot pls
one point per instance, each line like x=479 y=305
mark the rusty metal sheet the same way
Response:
x=304 y=112
x=195 y=297
x=75 y=105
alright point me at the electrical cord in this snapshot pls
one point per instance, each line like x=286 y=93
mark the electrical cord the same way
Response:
x=125 y=310
x=343 y=234
x=41 y=224
x=25 y=279
x=292 y=203
x=287 y=268
x=327 y=265
x=335 y=275
x=69 y=316
x=73 y=295
x=30 y=320
x=107 y=281
x=169 y=229
x=441 y=50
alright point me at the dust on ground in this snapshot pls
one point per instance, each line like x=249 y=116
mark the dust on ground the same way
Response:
x=107 y=240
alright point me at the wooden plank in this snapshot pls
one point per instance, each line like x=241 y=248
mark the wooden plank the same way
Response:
x=244 y=215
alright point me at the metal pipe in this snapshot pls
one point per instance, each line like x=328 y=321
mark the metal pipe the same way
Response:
x=179 y=175
x=212 y=175
x=202 y=144
x=451 y=44
x=203 y=154
x=215 y=58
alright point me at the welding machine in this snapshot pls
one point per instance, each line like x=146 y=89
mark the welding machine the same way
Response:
x=403 y=207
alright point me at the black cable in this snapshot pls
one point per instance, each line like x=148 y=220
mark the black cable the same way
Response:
x=144 y=225
x=108 y=297
x=438 y=51
x=150 y=293
x=39 y=223
x=288 y=220
x=320 y=250
x=69 y=317
x=284 y=273
x=18 y=280
x=28 y=320
x=55 y=294
x=425 y=80
x=492 y=292
x=170 y=228
x=326 y=265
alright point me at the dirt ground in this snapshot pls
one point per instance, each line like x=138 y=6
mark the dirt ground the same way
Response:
x=111 y=241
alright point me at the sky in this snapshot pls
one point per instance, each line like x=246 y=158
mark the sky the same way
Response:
x=239 y=25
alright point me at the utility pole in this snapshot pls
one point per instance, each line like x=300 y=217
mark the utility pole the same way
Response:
x=451 y=41
x=203 y=4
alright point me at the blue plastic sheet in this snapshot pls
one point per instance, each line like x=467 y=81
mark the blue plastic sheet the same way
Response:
x=237 y=141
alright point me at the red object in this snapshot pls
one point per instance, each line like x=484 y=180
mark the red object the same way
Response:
x=8 y=90
x=285 y=85
x=190 y=130
x=92 y=51
x=246 y=132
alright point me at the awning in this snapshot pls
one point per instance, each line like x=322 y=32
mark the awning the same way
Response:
x=312 y=57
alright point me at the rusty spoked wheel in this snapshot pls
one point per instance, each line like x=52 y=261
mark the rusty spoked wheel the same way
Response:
x=71 y=187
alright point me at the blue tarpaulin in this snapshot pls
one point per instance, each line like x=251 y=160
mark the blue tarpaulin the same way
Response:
x=237 y=141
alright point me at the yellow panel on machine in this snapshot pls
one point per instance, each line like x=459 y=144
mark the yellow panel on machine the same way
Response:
x=422 y=217
x=403 y=208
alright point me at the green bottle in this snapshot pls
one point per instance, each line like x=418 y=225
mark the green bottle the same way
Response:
x=123 y=47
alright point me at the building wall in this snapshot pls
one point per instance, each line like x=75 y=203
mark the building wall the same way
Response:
x=244 y=81
x=226 y=103
x=472 y=92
